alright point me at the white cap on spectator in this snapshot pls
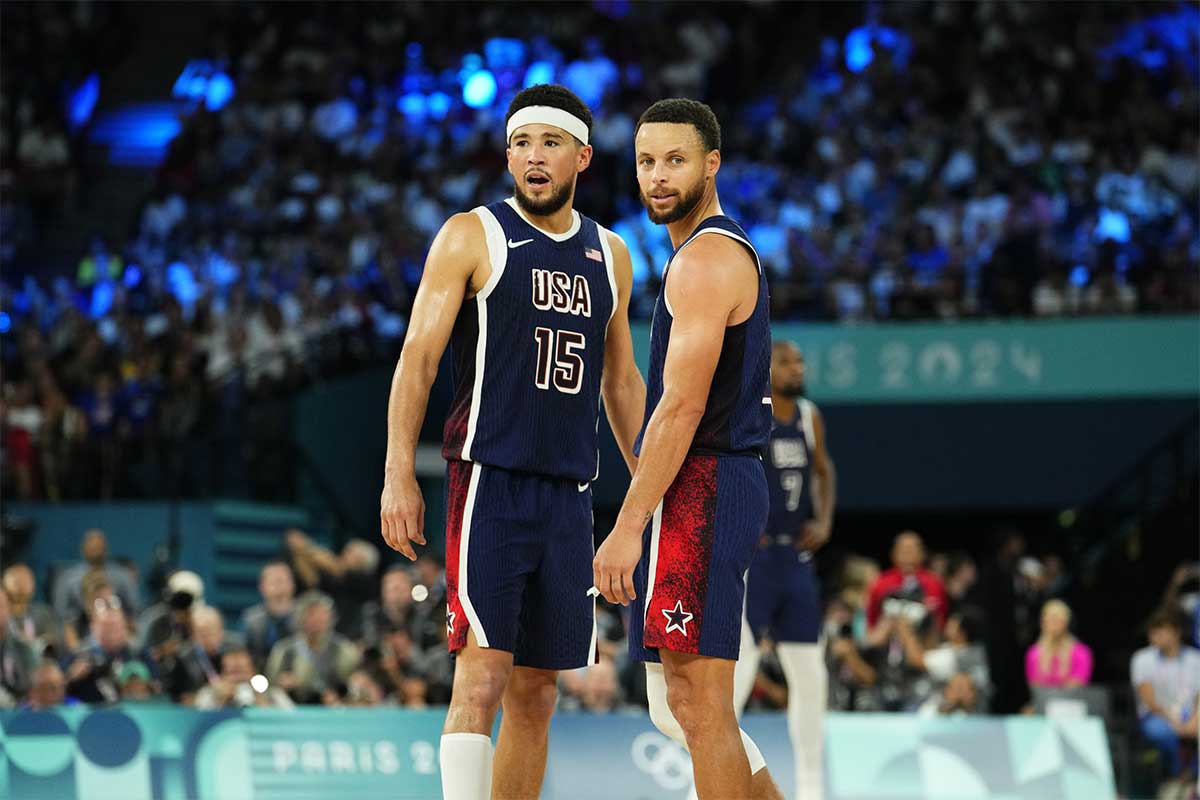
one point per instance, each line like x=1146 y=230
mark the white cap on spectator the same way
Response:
x=186 y=581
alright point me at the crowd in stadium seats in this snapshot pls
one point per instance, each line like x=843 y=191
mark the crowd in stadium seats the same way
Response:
x=1039 y=168
x=932 y=636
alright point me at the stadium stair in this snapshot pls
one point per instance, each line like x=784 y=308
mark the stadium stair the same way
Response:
x=247 y=536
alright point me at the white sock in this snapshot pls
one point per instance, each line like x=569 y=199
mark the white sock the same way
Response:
x=804 y=667
x=466 y=763
x=746 y=669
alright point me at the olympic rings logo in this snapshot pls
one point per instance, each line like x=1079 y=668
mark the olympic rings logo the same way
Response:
x=662 y=759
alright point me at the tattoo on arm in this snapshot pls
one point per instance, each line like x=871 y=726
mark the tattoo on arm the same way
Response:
x=649 y=516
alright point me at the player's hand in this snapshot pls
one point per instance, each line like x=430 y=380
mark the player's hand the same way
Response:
x=402 y=514
x=814 y=536
x=612 y=568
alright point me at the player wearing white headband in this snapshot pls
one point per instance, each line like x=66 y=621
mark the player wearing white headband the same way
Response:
x=533 y=298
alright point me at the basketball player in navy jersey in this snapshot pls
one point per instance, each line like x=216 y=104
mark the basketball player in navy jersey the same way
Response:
x=783 y=599
x=533 y=298
x=698 y=501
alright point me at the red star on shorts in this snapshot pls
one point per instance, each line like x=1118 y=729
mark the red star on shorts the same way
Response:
x=677 y=618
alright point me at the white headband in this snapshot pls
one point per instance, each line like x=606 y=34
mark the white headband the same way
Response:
x=548 y=115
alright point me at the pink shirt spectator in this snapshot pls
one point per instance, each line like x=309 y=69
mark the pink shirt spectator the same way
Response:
x=1077 y=667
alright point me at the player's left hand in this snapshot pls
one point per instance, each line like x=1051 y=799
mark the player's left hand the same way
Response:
x=814 y=536
x=612 y=568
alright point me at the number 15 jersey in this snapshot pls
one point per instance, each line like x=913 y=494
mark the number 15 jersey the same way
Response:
x=528 y=349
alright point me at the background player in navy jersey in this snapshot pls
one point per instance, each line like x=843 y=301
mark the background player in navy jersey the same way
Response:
x=533 y=298
x=783 y=599
x=698 y=501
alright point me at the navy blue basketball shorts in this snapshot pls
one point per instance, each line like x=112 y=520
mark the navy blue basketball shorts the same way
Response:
x=695 y=552
x=783 y=596
x=519 y=565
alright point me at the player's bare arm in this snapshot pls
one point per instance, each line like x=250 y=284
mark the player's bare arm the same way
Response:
x=818 y=531
x=622 y=386
x=703 y=301
x=457 y=265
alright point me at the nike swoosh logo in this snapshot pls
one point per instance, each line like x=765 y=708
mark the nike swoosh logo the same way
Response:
x=514 y=245
x=583 y=487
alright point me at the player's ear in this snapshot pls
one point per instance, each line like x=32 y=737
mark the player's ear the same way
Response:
x=712 y=163
x=585 y=157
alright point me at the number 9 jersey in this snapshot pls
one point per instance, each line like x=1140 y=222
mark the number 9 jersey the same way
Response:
x=789 y=472
x=528 y=349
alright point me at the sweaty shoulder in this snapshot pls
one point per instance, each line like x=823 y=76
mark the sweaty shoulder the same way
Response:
x=718 y=271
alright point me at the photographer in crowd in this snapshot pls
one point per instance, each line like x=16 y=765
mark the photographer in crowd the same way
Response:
x=92 y=671
x=237 y=687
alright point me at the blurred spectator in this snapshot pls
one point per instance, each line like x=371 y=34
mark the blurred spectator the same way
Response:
x=98 y=594
x=314 y=663
x=48 y=689
x=1183 y=591
x=961 y=652
x=135 y=683
x=68 y=588
x=17 y=660
x=1166 y=677
x=593 y=688
x=266 y=623
x=1058 y=659
x=92 y=670
x=363 y=690
x=166 y=625
x=236 y=686
x=32 y=620
x=960 y=697
x=199 y=661
x=348 y=577
x=417 y=677
x=394 y=609
x=961 y=581
x=907 y=588
x=853 y=682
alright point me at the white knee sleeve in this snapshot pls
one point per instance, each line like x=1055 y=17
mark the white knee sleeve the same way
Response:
x=804 y=667
x=664 y=720
x=746 y=669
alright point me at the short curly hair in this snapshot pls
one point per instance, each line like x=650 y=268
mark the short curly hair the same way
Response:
x=688 y=112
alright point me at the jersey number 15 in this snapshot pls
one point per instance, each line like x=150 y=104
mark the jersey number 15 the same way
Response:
x=559 y=360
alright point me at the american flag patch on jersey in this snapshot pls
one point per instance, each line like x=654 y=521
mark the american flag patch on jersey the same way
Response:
x=593 y=254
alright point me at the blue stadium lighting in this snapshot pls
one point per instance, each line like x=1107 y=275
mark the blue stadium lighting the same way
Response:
x=82 y=102
x=102 y=299
x=503 y=53
x=480 y=89
x=181 y=283
x=439 y=105
x=5 y=322
x=133 y=276
x=412 y=105
x=859 y=54
x=1080 y=276
x=539 y=72
x=218 y=92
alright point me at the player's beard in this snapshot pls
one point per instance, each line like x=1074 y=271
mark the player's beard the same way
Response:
x=544 y=206
x=685 y=203
x=793 y=391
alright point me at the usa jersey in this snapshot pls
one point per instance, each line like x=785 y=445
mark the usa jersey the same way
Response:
x=528 y=349
x=789 y=472
x=737 y=415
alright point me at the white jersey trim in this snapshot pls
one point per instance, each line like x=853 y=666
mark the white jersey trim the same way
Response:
x=606 y=249
x=464 y=549
x=655 y=532
x=498 y=256
x=806 y=422
x=576 y=222
x=694 y=237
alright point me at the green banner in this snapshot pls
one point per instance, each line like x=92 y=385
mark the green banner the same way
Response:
x=158 y=752
x=1093 y=358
